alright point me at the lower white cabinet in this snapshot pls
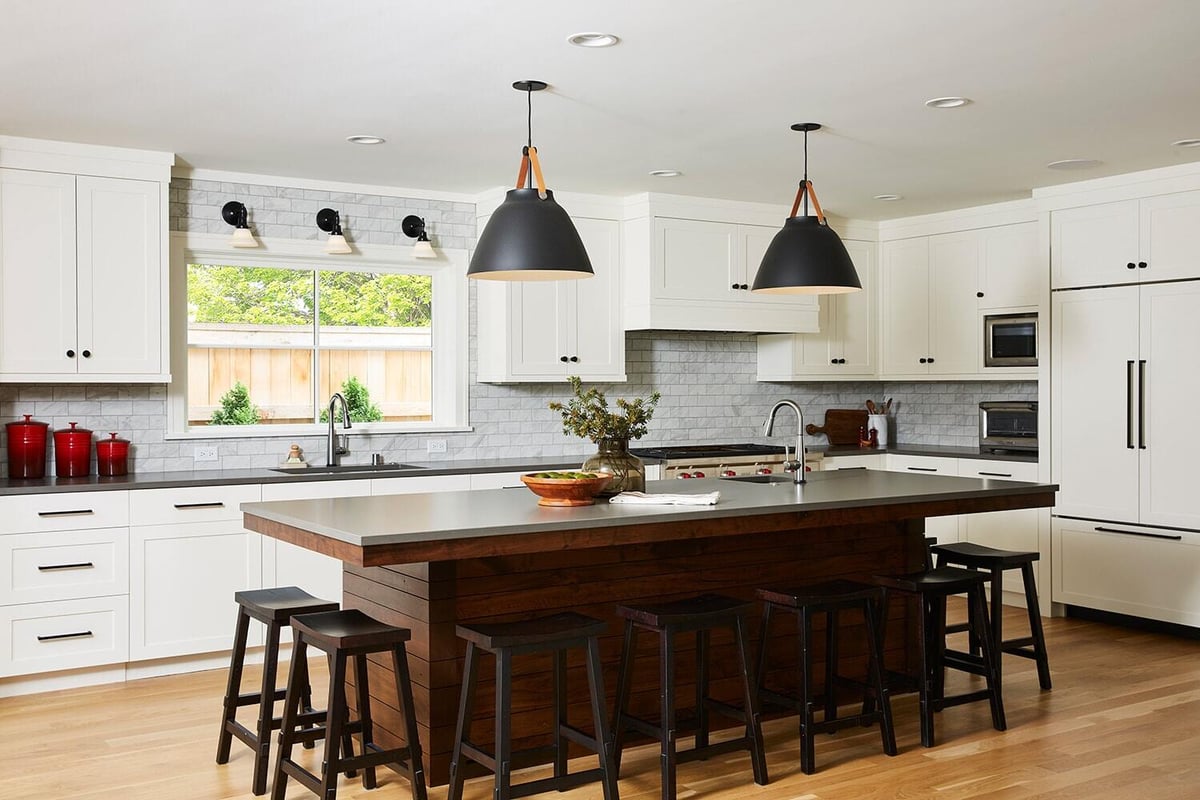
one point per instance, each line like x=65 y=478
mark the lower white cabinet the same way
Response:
x=865 y=461
x=498 y=480
x=1127 y=569
x=1007 y=530
x=421 y=483
x=67 y=634
x=944 y=529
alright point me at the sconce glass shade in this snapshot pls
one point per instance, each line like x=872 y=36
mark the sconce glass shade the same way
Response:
x=337 y=245
x=242 y=237
x=423 y=249
x=806 y=257
x=529 y=239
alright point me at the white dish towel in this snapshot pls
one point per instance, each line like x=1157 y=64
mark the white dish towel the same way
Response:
x=642 y=498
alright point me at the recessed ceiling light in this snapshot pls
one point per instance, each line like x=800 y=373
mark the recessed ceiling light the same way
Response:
x=887 y=198
x=365 y=139
x=593 y=39
x=948 y=102
x=665 y=173
x=1187 y=143
x=1074 y=163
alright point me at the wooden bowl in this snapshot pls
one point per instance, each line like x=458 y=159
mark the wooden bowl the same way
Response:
x=566 y=491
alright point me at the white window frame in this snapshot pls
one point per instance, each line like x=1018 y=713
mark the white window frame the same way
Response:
x=449 y=331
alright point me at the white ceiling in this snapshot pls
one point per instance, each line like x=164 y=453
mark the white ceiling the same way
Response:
x=708 y=87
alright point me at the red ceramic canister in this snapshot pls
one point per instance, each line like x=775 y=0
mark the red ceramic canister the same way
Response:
x=72 y=452
x=112 y=456
x=26 y=448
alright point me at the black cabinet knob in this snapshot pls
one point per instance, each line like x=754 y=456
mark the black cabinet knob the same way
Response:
x=86 y=354
x=734 y=286
x=841 y=361
x=1141 y=265
x=931 y=359
x=574 y=358
x=562 y=359
x=979 y=294
x=833 y=361
x=923 y=360
x=1130 y=265
x=745 y=286
x=70 y=354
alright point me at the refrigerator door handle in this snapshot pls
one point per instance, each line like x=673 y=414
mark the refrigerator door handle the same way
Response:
x=1142 y=404
x=1129 y=404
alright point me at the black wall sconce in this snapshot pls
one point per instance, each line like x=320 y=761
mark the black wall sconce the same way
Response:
x=330 y=221
x=234 y=213
x=414 y=228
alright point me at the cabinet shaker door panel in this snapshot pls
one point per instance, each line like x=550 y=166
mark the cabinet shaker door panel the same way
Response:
x=1171 y=237
x=1093 y=245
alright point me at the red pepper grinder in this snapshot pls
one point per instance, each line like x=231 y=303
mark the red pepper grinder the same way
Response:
x=72 y=452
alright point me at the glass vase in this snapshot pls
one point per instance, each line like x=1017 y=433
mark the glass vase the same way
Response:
x=613 y=456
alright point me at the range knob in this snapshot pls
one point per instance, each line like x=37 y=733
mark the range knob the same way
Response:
x=763 y=471
x=728 y=473
x=698 y=475
x=684 y=475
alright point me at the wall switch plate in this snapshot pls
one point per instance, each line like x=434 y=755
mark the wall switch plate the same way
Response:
x=435 y=445
x=205 y=453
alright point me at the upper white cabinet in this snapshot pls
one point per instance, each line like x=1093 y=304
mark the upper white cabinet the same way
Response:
x=546 y=330
x=934 y=291
x=1128 y=241
x=845 y=345
x=83 y=286
x=689 y=265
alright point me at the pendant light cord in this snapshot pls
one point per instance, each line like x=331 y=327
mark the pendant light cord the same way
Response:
x=529 y=126
x=806 y=172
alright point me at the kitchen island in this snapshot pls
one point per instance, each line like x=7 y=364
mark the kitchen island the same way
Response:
x=430 y=561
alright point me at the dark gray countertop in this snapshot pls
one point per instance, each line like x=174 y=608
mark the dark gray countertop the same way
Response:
x=209 y=477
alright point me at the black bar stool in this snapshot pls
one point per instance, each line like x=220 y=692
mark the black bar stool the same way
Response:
x=342 y=634
x=932 y=587
x=829 y=597
x=701 y=615
x=273 y=608
x=994 y=562
x=555 y=635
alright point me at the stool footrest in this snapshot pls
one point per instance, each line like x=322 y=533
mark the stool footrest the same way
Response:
x=377 y=757
x=716 y=749
x=562 y=784
x=966 y=662
x=960 y=699
x=479 y=756
x=1010 y=645
x=579 y=737
x=958 y=627
x=641 y=726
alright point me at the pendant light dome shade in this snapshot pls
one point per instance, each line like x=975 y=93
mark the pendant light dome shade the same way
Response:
x=529 y=239
x=806 y=257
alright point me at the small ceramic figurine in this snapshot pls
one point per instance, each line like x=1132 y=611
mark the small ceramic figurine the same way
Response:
x=294 y=458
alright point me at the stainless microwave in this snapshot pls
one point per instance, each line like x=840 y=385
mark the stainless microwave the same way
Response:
x=1010 y=340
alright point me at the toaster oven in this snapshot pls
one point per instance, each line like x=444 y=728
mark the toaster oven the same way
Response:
x=1008 y=426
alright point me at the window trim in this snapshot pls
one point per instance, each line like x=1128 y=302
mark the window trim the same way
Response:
x=450 y=367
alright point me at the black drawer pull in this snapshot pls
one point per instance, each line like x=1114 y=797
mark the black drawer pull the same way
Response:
x=1177 y=537
x=922 y=469
x=844 y=469
x=59 y=636
x=217 y=504
x=56 y=567
x=996 y=474
x=76 y=513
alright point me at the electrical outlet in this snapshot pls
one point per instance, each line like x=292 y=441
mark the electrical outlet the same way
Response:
x=435 y=445
x=205 y=453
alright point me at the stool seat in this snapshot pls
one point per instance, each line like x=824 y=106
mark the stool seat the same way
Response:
x=280 y=603
x=938 y=581
x=348 y=630
x=690 y=613
x=543 y=631
x=980 y=556
x=825 y=593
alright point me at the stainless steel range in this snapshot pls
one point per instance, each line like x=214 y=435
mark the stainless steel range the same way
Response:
x=715 y=460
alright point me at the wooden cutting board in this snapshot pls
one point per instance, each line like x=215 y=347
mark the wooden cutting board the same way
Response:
x=841 y=425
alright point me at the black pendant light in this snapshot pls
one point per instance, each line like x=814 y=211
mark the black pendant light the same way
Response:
x=806 y=257
x=529 y=237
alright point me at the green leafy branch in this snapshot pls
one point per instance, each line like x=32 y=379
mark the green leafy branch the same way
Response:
x=588 y=416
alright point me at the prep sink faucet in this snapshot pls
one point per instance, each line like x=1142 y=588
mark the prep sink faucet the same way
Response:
x=337 y=446
x=795 y=467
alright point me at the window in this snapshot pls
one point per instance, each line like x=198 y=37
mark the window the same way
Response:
x=268 y=338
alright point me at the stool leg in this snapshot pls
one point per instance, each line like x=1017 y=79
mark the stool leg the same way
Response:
x=758 y=759
x=938 y=634
x=991 y=657
x=560 y=713
x=466 y=703
x=875 y=670
x=266 y=709
x=347 y=739
x=291 y=703
x=416 y=765
x=503 y=789
x=1035 y=626
x=608 y=766
x=831 y=660
x=362 y=689
x=306 y=702
x=924 y=624
x=764 y=638
x=807 y=747
x=623 y=687
x=234 y=687
x=335 y=727
x=667 y=708
x=702 y=638
x=996 y=586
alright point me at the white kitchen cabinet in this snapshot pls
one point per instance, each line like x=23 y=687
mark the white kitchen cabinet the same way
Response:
x=1125 y=242
x=67 y=634
x=904 y=298
x=498 y=480
x=868 y=461
x=188 y=555
x=1012 y=273
x=285 y=564
x=421 y=483
x=82 y=278
x=696 y=274
x=944 y=529
x=539 y=331
x=845 y=345
x=1006 y=530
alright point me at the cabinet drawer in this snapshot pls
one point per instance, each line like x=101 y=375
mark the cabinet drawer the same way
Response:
x=922 y=465
x=498 y=480
x=41 y=637
x=871 y=461
x=1001 y=470
x=63 y=511
x=39 y=567
x=190 y=504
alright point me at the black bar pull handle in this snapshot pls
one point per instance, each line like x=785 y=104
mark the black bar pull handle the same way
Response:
x=56 y=567
x=79 y=512
x=217 y=504
x=1142 y=404
x=997 y=474
x=1174 y=538
x=922 y=469
x=60 y=636
x=1129 y=404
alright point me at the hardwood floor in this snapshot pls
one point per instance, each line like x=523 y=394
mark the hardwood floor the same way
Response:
x=1123 y=720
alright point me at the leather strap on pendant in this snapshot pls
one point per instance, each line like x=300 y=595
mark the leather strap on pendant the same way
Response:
x=537 y=173
x=806 y=186
x=524 y=172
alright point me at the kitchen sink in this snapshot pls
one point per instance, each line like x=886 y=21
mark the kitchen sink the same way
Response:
x=760 y=478
x=344 y=468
